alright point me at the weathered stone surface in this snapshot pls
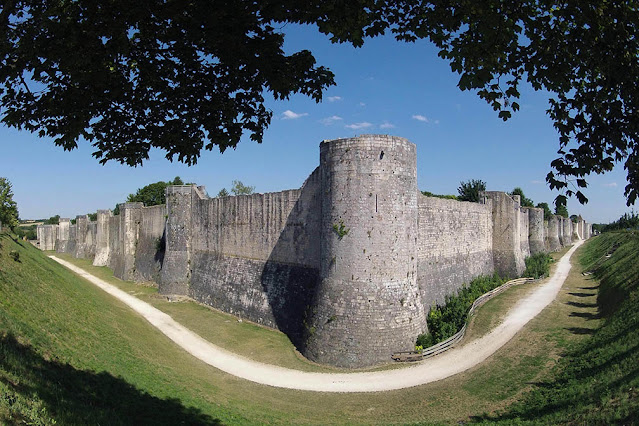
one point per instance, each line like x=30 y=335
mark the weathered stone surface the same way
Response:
x=455 y=245
x=347 y=266
x=367 y=304
x=536 y=230
x=47 y=236
x=175 y=273
x=507 y=253
x=150 y=247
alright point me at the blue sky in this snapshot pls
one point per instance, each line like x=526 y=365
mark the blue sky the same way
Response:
x=385 y=87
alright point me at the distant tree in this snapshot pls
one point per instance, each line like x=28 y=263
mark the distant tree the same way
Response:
x=525 y=201
x=92 y=216
x=239 y=188
x=8 y=207
x=447 y=197
x=469 y=191
x=223 y=193
x=627 y=221
x=150 y=195
x=153 y=193
x=560 y=209
x=546 y=207
x=53 y=220
x=26 y=232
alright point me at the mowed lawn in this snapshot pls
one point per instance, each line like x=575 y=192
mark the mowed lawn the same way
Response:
x=73 y=354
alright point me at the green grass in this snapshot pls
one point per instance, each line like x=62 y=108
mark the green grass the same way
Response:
x=597 y=381
x=70 y=353
x=246 y=338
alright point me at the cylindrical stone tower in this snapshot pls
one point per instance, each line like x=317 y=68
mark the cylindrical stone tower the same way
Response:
x=560 y=227
x=367 y=304
x=554 y=231
x=567 y=231
x=536 y=230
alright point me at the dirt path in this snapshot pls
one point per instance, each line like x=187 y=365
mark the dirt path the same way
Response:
x=445 y=365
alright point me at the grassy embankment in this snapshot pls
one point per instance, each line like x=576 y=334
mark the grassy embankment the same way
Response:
x=597 y=382
x=72 y=354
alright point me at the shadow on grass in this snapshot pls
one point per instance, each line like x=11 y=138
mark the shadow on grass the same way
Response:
x=581 y=330
x=596 y=287
x=73 y=396
x=586 y=315
x=582 y=294
x=582 y=305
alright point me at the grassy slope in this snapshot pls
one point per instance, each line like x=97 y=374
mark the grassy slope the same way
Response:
x=71 y=353
x=597 y=382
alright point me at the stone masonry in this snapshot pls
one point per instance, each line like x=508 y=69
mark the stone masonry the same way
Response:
x=347 y=266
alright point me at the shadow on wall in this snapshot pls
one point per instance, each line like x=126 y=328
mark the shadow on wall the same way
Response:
x=159 y=253
x=290 y=287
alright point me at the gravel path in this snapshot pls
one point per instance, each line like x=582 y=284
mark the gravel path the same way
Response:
x=439 y=367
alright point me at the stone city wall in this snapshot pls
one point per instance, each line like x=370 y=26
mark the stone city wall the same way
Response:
x=455 y=245
x=347 y=266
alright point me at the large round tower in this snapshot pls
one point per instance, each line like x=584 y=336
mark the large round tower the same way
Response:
x=367 y=304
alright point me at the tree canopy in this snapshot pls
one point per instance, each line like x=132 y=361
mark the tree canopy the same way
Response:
x=187 y=76
x=525 y=201
x=53 y=220
x=561 y=210
x=238 y=188
x=151 y=194
x=469 y=191
x=8 y=207
x=546 y=207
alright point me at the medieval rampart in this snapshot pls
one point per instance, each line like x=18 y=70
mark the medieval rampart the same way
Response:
x=347 y=266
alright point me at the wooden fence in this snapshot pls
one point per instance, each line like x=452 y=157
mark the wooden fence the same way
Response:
x=454 y=339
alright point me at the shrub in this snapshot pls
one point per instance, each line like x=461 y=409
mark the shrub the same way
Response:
x=538 y=265
x=14 y=255
x=446 y=320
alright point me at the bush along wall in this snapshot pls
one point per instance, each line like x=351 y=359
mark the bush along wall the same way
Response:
x=447 y=319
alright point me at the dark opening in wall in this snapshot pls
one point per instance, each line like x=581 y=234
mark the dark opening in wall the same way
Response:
x=381 y=155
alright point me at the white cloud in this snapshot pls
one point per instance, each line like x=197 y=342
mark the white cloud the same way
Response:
x=357 y=126
x=330 y=120
x=421 y=118
x=362 y=104
x=334 y=98
x=386 y=125
x=290 y=115
x=610 y=185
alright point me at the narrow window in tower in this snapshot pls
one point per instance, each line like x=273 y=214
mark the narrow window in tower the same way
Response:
x=381 y=155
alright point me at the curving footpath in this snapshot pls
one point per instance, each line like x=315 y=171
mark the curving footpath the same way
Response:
x=430 y=370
